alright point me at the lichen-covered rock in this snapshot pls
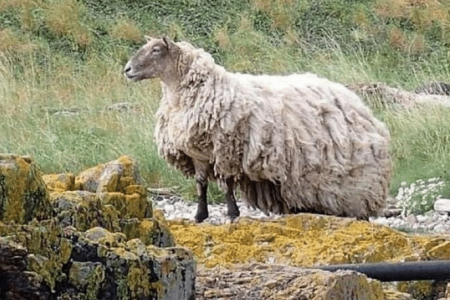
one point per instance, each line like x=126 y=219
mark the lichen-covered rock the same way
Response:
x=304 y=240
x=128 y=205
x=149 y=231
x=47 y=250
x=96 y=264
x=114 y=176
x=116 y=212
x=96 y=243
x=84 y=210
x=264 y=282
x=23 y=193
x=59 y=182
x=131 y=270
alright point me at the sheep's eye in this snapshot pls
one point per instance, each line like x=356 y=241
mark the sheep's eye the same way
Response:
x=156 y=50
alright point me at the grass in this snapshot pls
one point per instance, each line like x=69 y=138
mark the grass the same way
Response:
x=74 y=61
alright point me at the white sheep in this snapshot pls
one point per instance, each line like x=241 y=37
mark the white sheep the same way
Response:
x=297 y=143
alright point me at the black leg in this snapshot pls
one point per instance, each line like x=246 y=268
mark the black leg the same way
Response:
x=202 y=208
x=201 y=176
x=233 y=209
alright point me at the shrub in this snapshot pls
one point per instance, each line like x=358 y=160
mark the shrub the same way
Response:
x=419 y=196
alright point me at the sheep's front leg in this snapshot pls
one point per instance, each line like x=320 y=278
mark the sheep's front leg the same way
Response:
x=201 y=178
x=232 y=208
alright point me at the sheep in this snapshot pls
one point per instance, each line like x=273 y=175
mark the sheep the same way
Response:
x=291 y=144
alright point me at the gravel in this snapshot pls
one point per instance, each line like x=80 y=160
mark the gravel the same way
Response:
x=175 y=207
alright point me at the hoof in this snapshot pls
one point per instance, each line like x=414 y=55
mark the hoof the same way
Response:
x=200 y=216
x=233 y=212
x=233 y=215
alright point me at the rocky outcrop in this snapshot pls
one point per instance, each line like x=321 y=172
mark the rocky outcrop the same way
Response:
x=305 y=240
x=426 y=95
x=264 y=282
x=91 y=236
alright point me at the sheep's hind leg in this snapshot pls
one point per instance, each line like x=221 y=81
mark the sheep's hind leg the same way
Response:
x=201 y=178
x=232 y=208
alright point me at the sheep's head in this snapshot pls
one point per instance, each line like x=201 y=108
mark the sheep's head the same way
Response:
x=157 y=58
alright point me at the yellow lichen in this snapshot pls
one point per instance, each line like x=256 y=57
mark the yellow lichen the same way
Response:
x=301 y=240
x=138 y=282
x=59 y=182
x=143 y=230
x=441 y=251
x=16 y=175
x=136 y=206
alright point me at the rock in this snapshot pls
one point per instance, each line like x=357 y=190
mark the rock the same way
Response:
x=440 y=251
x=114 y=176
x=434 y=88
x=99 y=243
x=303 y=240
x=15 y=281
x=439 y=228
x=399 y=97
x=124 y=106
x=23 y=193
x=87 y=277
x=442 y=206
x=84 y=210
x=59 y=182
x=411 y=220
x=396 y=295
x=424 y=289
x=262 y=281
x=130 y=269
x=392 y=212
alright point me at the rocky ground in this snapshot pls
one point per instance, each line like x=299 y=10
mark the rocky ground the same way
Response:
x=95 y=236
x=175 y=207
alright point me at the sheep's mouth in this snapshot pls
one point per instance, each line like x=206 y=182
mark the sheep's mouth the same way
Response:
x=132 y=77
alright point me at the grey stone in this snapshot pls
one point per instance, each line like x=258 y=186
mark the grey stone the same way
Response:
x=411 y=220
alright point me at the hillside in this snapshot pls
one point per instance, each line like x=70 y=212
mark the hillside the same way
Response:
x=61 y=68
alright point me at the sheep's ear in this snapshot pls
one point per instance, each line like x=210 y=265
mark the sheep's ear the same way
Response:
x=169 y=43
x=148 y=38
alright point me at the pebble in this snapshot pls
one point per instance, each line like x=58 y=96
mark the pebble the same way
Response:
x=175 y=207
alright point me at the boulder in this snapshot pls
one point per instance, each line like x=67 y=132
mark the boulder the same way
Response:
x=23 y=193
x=264 y=282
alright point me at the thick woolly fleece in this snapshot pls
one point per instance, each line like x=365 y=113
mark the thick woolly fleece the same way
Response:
x=297 y=143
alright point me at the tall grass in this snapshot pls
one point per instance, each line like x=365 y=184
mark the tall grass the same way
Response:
x=61 y=67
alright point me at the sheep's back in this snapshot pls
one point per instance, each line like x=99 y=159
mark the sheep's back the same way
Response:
x=318 y=143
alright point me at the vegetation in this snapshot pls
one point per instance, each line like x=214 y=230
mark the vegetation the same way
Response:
x=61 y=67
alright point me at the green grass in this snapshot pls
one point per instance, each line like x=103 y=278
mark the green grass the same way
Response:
x=75 y=62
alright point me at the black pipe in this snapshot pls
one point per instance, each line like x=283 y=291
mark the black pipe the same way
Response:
x=404 y=271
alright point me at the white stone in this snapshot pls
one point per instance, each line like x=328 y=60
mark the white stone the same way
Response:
x=439 y=228
x=421 y=218
x=411 y=220
x=442 y=205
